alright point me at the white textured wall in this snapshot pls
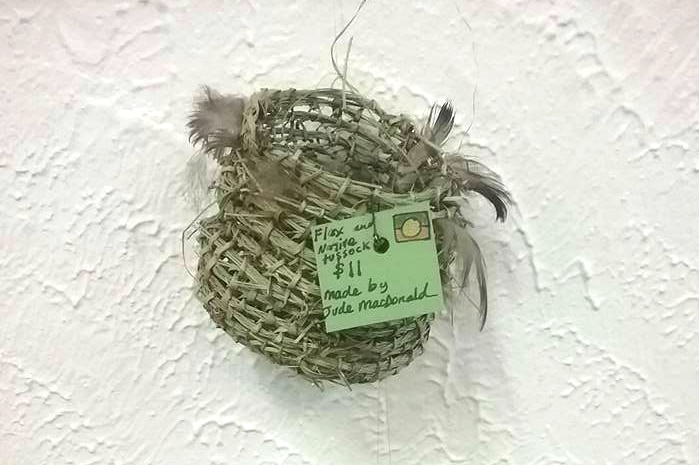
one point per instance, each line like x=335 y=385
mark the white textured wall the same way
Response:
x=589 y=110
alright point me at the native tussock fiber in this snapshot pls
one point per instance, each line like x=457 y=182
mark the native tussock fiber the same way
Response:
x=291 y=159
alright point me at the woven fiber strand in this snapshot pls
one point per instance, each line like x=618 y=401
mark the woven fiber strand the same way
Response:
x=305 y=157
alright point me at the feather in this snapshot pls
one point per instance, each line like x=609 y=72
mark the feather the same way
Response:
x=442 y=125
x=216 y=122
x=439 y=125
x=493 y=191
x=460 y=250
x=482 y=284
x=472 y=176
x=272 y=180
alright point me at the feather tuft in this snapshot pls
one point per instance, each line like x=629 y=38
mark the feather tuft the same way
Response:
x=472 y=176
x=439 y=125
x=460 y=250
x=216 y=122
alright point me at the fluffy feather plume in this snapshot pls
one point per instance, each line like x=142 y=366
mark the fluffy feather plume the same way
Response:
x=216 y=122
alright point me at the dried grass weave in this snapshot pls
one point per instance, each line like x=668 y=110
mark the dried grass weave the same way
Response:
x=291 y=159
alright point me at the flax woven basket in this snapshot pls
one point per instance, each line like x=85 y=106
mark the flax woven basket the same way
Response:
x=292 y=159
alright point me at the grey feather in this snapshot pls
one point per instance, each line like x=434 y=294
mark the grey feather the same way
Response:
x=460 y=250
x=439 y=125
x=216 y=122
x=442 y=124
x=475 y=177
x=273 y=180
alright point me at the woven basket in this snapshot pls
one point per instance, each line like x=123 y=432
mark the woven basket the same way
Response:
x=304 y=157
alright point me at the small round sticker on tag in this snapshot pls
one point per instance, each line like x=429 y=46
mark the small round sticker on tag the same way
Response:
x=410 y=227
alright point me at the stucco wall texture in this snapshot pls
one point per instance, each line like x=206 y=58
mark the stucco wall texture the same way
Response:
x=589 y=111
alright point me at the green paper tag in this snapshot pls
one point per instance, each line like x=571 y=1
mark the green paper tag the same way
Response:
x=360 y=286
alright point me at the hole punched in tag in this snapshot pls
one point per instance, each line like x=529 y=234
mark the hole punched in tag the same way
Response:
x=381 y=244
